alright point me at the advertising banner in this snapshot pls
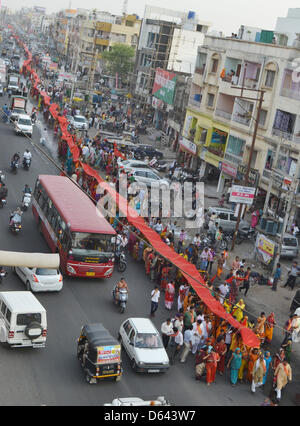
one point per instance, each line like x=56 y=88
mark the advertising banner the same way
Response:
x=242 y=194
x=108 y=354
x=164 y=86
x=265 y=247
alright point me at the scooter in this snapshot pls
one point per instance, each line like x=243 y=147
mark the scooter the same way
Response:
x=26 y=163
x=26 y=201
x=15 y=222
x=15 y=227
x=122 y=300
x=3 y=274
x=120 y=261
x=14 y=167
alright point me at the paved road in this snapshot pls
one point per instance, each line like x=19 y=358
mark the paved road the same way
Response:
x=52 y=376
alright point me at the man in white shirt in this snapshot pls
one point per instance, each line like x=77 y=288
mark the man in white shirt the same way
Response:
x=187 y=344
x=155 y=295
x=166 y=331
x=176 y=347
x=224 y=289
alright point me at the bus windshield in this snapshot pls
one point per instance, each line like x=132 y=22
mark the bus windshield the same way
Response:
x=92 y=244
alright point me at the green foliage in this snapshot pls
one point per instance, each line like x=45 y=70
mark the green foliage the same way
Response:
x=120 y=59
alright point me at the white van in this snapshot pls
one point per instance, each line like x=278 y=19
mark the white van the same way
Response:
x=23 y=321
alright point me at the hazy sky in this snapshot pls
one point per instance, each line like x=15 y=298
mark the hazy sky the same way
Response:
x=225 y=15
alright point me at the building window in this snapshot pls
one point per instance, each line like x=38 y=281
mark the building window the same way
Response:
x=210 y=100
x=269 y=160
x=151 y=40
x=262 y=117
x=214 y=65
x=236 y=146
x=270 y=77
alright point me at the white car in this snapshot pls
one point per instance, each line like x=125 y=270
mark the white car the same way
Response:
x=128 y=165
x=150 y=178
x=143 y=345
x=39 y=279
x=79 y=122
x=23 y=320
x=23 y=125
x=135 y=401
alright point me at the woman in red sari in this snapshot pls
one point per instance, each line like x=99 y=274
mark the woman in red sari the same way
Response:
x=169 y=295
x=211 y=361
x=164 y=277
x=221 y=349
x=148 y=258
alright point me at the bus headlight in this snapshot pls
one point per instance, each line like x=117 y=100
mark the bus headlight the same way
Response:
x=71 y=270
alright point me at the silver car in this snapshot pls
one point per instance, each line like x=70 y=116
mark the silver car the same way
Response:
x=149 y=178
x=227 y=220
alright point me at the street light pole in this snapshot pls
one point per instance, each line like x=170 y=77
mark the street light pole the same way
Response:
x=246 y=178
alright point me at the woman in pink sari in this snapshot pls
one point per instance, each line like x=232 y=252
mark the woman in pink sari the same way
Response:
x=254 y=219
x=169 y=295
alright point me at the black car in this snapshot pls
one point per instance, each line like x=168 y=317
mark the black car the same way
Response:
x=143 y=151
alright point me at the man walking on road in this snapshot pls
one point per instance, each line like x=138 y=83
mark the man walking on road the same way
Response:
x=166 y=332
x=155 y=295
x=293 y=273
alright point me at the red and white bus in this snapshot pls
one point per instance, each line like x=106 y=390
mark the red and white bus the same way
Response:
x=74 y=227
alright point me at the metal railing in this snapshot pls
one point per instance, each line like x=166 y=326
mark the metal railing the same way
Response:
x=223 y=114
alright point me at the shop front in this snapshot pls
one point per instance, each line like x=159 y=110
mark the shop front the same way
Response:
x=187 y=156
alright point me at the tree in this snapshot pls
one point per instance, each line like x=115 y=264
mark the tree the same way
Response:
x=119 y=59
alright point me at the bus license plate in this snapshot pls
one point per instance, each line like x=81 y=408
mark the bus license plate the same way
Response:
x=90 y=274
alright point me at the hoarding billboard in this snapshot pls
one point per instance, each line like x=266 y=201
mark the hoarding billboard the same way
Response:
x=164 y=86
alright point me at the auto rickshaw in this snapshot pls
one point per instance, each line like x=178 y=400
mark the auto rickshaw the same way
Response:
x=99 y=354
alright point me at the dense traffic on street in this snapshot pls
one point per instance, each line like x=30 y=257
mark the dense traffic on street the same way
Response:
x=135 y=303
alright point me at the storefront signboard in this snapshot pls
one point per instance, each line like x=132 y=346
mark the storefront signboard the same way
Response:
x=242 y=194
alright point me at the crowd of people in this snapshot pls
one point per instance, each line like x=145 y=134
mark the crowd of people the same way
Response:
x=214 y=343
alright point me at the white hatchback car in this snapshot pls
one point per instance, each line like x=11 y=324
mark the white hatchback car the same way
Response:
x=23 y=125
x=79 y=122
x=128 y=165
x=149 y=178
x=143 y=345
x=39 y=279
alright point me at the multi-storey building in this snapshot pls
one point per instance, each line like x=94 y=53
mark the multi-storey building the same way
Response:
x=219 y=123
x=168 y=40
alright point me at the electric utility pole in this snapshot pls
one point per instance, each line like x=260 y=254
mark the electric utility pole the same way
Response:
x=246 y=178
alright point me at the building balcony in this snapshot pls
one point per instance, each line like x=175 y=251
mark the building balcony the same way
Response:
x=291 y=94
x=240 y=118
x=223 y=114
x=285 y=135
x=199 y=71
x=194 y=104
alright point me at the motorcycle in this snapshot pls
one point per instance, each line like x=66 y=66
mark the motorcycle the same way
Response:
x=3 y=274
x=122 y=300
x=3 y=202
x=160 y=166
x=120 y=261
x=26 y=201
x=245 y=234
x=15 y=222
x=14 y=166
x=26 y=163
